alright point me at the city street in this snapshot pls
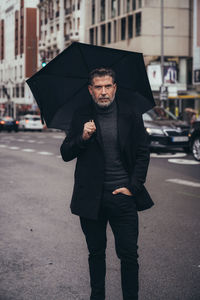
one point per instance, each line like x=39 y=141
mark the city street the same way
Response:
x=42 y=248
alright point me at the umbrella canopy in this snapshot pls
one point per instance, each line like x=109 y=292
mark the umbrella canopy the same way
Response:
x=62 y=85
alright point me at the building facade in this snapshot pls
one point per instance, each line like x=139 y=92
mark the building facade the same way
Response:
x=60 y=23
x=18 y=53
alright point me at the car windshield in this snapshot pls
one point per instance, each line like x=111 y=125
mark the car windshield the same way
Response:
x=158 y=113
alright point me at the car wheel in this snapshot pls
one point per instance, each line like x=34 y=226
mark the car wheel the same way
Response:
x=196 y=148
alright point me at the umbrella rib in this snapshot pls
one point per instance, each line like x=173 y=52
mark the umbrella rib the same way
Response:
x=81 y=52
x=118 y=60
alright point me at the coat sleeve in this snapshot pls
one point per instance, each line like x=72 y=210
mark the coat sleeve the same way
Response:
x=73 y=145
x=142 y=157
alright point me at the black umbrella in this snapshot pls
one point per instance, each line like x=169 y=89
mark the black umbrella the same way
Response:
x=61 y=86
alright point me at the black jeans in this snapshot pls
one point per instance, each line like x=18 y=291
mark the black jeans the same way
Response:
x=120 y=211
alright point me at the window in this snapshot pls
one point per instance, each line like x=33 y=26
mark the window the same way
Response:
x=96 y=35
x=102 y=17
x=93 y=11
x=123 y=29
x=128 y=6
x=22 y=91
x=133 y=4
x=138 y=24
x=51 y=29
x=113 y=8
x=103 y=31
x=17 y=91
x=78 y=23
x=139 y=3
x=79 y=5
x=92 y=36
x=57 y=27
x=130 y=27
x=118 y=6
x=109 y=33
x=20 y=71
x=115 y=31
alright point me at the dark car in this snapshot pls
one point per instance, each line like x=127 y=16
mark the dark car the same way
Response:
x=165 y=130
x=195 y=140
x=8 y=123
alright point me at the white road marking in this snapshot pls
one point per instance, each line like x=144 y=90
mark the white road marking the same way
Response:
x=184 y=182
x=14 y=148
x=3 y=146
x=45 y=153
x=167 y=155
x=31 y=141
x=20 y=140
x=40 y=142
x=59 y=156
x=28 y=150
x=58 y=136
x=184 y=161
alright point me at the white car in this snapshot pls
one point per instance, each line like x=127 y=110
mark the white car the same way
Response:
x=30 y=122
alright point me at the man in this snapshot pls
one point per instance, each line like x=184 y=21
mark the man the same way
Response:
x=110 y=144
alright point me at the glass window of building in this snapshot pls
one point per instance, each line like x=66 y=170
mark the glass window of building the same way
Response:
x=51 y=29
x=96 y=35
x=123 y=28
x=79 y=4
x=128 y=5
x=115 y=31
x=103 y=34
x=113 y=8
x=139 y=3
x=118 y=8
x=133 y=4
x=91 y=36
x=103 y=9
x=93 y=11
x=22 y=91
x=130 y=27
x=138 y=24
x=17 y=92
x=78 y=23
x=57 y=27
x=109 y=33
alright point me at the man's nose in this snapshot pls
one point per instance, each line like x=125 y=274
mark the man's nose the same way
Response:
x=103 y=90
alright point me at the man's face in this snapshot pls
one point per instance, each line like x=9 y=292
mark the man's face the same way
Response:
x=103 y=90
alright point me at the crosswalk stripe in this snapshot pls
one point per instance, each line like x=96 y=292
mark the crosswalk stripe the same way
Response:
x=45 y=153
x=28 y=150
x=184 y=182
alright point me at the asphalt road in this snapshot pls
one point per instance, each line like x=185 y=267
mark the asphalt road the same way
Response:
x=43 y=253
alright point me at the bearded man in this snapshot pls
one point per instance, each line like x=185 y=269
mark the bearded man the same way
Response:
x=110 y=143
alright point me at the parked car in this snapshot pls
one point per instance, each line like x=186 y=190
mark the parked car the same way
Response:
x=195 y=140
x=30 y=122
x=9 y=124
x=165 y=130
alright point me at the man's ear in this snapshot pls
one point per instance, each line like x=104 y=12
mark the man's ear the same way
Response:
x=90 y=89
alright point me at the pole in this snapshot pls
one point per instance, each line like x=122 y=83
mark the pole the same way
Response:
x=162 y=48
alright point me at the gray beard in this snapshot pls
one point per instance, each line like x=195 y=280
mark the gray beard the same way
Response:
x=102 y=105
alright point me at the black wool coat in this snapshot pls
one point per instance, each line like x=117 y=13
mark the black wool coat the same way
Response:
x=89 y=172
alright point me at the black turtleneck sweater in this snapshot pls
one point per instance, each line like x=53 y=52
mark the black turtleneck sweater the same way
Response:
x=115 y=174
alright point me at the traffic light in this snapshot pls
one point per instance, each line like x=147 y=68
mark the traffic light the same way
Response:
x=44 y=63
